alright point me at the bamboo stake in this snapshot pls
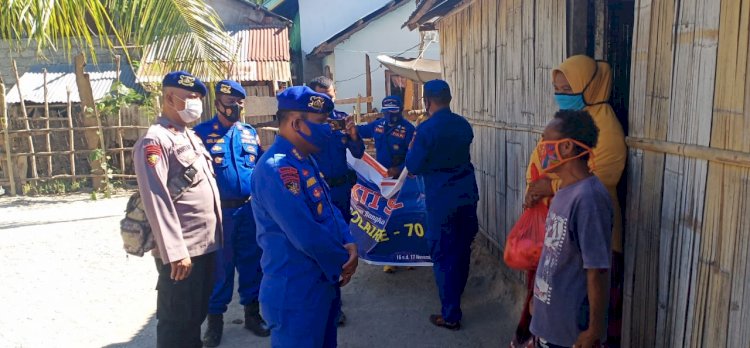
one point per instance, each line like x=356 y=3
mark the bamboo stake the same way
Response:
x=119 y=120
x=6 y=138
x=368 y=79
x=26 y=121
x=71 y=136
x=46 y=123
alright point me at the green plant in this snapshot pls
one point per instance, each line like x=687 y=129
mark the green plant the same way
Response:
x=107 y=188
x=186 y=34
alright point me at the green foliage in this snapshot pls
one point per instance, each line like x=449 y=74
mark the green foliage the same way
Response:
x=120 y=96
x=187 y=34
x=50 y=187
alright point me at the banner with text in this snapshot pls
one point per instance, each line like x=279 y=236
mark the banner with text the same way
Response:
x=388 y=216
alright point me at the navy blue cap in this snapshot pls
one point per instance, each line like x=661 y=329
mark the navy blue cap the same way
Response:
x=231 y=88
x=302 y=98
x=392 y=103
x=184 y=80
x=436 y=88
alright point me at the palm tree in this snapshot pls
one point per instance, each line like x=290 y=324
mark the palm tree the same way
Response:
x=186 y=33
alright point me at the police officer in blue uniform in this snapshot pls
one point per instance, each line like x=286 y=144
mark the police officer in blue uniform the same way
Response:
x=308 y=251
x=440 y=153
x=392 y=134
x=332 y=155
x=235 y=148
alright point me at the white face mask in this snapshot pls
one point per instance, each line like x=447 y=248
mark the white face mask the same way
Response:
x=193 y=110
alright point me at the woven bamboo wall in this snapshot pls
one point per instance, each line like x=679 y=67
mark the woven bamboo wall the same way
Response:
x=497 y=57
x=688 y=219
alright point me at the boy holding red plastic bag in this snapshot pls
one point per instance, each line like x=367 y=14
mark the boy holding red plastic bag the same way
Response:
x=572 y=279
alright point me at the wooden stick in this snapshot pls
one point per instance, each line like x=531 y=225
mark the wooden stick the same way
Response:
x=6 y=138
x=46 y=130
x=26 y=121
x=71 y=136
x=119 y=120
x=46 y=122
x=736 y=158
x=368 y=81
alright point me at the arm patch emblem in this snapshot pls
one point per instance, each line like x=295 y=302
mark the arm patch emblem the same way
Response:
x=153 y=154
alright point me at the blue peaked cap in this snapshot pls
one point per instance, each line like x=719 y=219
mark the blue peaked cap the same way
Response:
x=184 y=80
x=392 y=103
x=304 y=99
x=436 y=88
x=231 y=88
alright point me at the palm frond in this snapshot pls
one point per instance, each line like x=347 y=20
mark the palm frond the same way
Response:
x=184 y=34
x=181 y=34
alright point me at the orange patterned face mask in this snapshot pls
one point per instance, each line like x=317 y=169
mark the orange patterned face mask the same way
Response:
x=550 y=157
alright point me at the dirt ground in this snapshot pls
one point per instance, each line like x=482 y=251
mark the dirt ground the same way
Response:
x=67 y=283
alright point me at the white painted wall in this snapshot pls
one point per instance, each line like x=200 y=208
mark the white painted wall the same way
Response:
x=383 y=36
x=321 y=19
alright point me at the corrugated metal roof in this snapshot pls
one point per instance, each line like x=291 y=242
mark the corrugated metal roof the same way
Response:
x=262 y=55
x=61 y=78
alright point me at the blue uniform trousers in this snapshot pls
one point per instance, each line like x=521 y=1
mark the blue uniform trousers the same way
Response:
x=450 y=248
x=240 y=252
x=304 y=327
x=341 y=198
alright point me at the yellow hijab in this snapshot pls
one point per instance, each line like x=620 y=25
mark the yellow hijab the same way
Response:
x=594 y=80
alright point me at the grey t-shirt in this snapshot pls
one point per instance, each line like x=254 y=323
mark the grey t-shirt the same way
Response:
x=578 y=237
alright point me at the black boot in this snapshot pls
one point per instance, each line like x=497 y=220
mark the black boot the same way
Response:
x=254 y=322
x=212 y=337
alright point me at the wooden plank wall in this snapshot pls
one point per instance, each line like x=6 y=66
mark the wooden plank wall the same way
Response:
x=687 y=235
x=687 y=221
x=497 y=56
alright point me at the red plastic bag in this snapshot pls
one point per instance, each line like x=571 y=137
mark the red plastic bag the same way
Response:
x=525 y=241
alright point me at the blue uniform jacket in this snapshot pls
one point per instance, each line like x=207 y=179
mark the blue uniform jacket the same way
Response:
x=234 y=151
x=300 y=231
x=391 y=142
x=332 y=159
x=440 y=153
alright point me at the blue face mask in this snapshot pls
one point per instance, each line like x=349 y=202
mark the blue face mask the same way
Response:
x=320 y=134
x=570 y=101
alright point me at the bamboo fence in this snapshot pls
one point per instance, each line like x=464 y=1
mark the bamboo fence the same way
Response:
x=39 y=144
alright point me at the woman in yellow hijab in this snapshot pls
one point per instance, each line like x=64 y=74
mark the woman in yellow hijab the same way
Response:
x=581 y=83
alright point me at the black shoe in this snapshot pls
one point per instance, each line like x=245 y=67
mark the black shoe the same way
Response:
x=254 y=322
x=212 y=337
x=342 y=319
x=437 y=320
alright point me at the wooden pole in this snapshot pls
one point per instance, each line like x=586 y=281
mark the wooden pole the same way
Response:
x=90 y=118
x=368 y=79
x=26 y=122
x=46 y=124
x=119 y=120
x=6 y=139
x=71 y=136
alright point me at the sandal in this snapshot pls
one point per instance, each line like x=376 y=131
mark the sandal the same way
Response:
x=438 y=320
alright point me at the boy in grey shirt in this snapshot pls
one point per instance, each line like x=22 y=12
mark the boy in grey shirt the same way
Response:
x=572 y=279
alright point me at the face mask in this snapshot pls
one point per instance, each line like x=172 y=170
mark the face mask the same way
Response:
x=394 y=117
x=192 y=111
x=576 y=101
x=320 y=134
x=570 y=101
x=550 y=157
x=231 y=112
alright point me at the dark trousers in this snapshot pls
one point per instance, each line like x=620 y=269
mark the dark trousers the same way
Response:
x=181 y=306
x=240 y=252
x=451 y=252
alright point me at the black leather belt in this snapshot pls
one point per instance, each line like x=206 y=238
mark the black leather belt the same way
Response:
x=234 y=203
x=350 y=178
